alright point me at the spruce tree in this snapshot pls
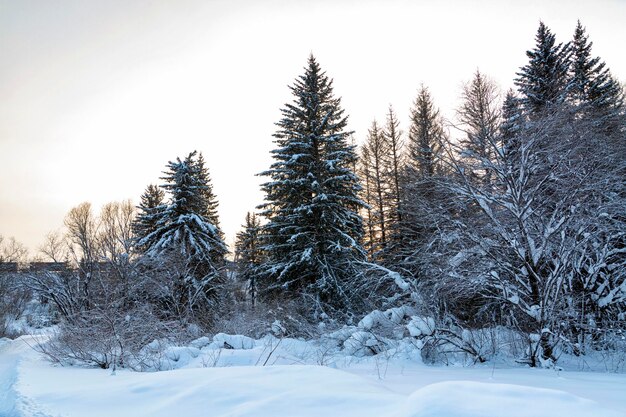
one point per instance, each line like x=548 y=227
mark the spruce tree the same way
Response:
x=313 y=234
x=248 y=254
x=479 y=117
x=425 y=136
x=511 y=125
x=423 y=167
x=150 y=210
x=185 y=243
x=511 y=119
x=591 y=83
x=543 y=82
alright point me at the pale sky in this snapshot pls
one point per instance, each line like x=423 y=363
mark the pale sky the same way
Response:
x=97 y=96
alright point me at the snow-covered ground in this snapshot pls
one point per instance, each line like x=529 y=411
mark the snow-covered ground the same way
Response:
x=210 y=382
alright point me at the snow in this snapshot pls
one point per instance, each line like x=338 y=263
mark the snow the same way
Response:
x=237 y=385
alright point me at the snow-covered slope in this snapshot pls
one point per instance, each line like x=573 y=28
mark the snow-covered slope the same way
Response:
x=32 y=387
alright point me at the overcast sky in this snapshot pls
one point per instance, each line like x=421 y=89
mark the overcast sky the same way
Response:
x=97 y=96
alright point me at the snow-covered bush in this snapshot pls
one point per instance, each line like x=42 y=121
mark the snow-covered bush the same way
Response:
x=14 y=298
x=110 y=338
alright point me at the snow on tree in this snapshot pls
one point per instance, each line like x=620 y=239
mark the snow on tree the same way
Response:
x=186 y=247
x=512 y=121
x=535 y=250
x=313 y=234
x=543 y=81
x=248 y=254
x=150 y=210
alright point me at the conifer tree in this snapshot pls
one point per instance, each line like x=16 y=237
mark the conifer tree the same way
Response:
x=248 y=254
x=150 y=210
x=479 y=117
x=313 y=234
x=511 y=119
x=185 y=243
x=419 y=194
x=425 y=136
x=543 y=81
x=591 y=83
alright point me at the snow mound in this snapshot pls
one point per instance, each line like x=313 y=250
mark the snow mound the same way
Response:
x=233 y=341
x=477 y=399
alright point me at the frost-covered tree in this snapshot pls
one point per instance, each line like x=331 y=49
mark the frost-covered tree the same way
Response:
x=543 y=81
x=149 y=211
x=186 y=247
x=248 y=254
x=511 y=124
x=313 y=233
x=535 y=252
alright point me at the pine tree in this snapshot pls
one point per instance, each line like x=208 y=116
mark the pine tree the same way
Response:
x=150 y=209
x=543 y=82
x=248 y=254
x=511 y=125
x=419 y=193
x=313 y=234
x=479 y=117
x=425 y=136
x=591 y=83
x=185 y=242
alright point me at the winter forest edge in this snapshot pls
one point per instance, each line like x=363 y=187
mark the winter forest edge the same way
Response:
x=498 y=233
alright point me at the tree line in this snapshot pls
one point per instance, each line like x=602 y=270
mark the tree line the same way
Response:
x=511 y=215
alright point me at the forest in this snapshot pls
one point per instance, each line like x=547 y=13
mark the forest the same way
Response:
x=499 y=231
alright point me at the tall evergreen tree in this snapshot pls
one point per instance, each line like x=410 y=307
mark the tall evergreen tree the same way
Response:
x=591 y=83
x=543 y=81
x=248 y=254
x=185 y=243
x=150 y=210
x=313 y=234
x=425 y=136
x=511 y=120
x=419 y=191
x=480 y=118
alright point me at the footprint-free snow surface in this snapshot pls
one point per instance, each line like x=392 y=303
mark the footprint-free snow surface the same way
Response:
x=30 y=386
